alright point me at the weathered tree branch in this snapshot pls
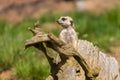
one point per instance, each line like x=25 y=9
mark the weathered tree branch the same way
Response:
x=65 y=51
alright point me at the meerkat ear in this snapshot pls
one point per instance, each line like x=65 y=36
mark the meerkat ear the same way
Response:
x=72 y=24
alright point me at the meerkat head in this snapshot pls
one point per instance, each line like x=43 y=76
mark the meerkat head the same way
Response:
x=65 y=21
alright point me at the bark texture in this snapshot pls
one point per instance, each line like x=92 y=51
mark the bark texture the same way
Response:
x=88 y=63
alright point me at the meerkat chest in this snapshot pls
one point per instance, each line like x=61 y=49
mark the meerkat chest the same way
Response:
x=68 y=35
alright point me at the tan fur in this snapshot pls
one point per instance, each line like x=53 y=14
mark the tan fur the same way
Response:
x=68 y=34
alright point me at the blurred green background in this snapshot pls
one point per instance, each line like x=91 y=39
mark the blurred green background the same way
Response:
x=103 y=29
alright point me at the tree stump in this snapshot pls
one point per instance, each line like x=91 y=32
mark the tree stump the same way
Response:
x=88 y=63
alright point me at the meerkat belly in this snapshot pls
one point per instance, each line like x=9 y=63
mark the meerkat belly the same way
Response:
x=68 y=36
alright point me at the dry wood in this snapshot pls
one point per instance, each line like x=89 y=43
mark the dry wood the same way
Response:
x=84 y=64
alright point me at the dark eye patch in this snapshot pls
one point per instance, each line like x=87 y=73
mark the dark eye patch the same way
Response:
x=63 y=19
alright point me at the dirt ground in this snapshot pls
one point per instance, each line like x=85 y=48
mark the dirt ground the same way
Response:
x=17 y=10
x=7 y=75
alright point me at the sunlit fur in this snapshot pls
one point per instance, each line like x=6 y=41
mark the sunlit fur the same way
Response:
x=68 y=34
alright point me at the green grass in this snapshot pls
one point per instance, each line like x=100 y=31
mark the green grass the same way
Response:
x=103 y=30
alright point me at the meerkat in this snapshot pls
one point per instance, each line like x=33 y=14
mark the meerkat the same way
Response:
x=68 y=34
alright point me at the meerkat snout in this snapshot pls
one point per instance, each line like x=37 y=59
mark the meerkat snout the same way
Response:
x=65 y=21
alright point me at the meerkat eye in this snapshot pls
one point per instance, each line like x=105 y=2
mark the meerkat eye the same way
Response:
x=63 y=19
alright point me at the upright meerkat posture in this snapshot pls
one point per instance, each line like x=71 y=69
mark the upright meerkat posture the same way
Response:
x=68 y=34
